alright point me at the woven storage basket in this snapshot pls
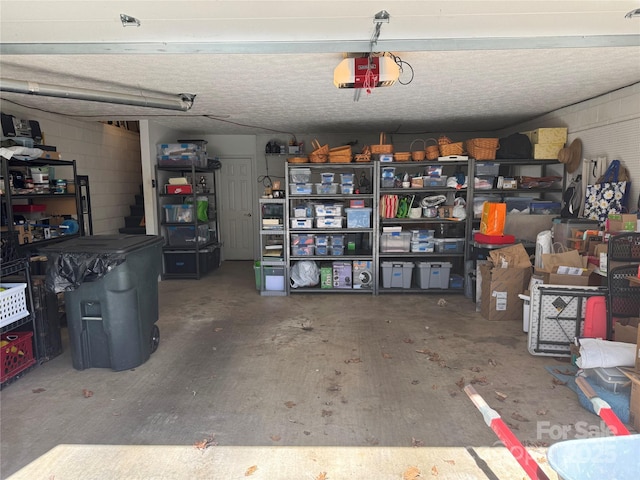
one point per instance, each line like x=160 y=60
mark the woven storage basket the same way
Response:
x=432 y=151
x=482 y=148
x=418 y=155
x=382 y=147
x=334 y=158
x=402 y=156
x=320 y=154
x=448 y=148
x=298 y=160
x=365 y=156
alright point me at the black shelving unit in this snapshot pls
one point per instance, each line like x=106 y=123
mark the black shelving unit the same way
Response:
x=189 y=259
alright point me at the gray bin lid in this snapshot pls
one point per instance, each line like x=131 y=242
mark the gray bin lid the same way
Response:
x=105 y=244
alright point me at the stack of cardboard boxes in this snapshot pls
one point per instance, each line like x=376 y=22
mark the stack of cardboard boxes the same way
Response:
x=547 y=142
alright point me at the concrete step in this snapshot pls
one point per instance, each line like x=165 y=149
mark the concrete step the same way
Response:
x=137 y=210
x=134 y=221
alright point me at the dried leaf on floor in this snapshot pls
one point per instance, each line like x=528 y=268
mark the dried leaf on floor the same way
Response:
x=501 y=396
x=434 y=471
x=515 y=400
x=87 y=393
x=513 y=426
x=479 y=380
x=327 y=413
x=442 y=302
x=415 y=382
x=411 y=473
x=441 y=337
x=492 y=362
x=334 y=388
x=555 y=381
x=307 y=432
x=38 y=390
x=564 y=372
x=460 y=383
x=434 y=387
x=217 y=329
x=206 y=443
x=407 y=340
x=386 y=356
x=289 y=404
x=450 y=462
x=475 y=369
x=520 y=418
x=275 y=438
x=541 y=411
x=416 y=442
x=322 y=476
x=453 y=394
x=251 y=470
x=353 y=360
x=338 y=372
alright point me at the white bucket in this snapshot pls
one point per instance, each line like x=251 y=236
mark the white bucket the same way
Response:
x=415 y=212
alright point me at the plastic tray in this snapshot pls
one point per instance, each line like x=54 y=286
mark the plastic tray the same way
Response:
x=13 y=304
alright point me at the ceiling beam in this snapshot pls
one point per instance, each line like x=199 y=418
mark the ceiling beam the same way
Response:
x=440 y=44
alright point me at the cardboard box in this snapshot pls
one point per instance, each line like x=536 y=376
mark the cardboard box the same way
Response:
x=567 y=268
x=503 y=280
x=634 y=401
x=546 y=151
x=626 y=330
x=342 y=275
x=548 y=135
x=362 y=274
x=625 y=222
x=51 y=155
x=326 y=276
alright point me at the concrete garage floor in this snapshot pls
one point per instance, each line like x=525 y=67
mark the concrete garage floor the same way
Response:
x=352 y=385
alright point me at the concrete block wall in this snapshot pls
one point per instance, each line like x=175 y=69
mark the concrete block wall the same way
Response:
x=109 y=155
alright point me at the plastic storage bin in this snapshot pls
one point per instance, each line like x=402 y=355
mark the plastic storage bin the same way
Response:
x=422 y=247
x=422 y=235
x=395 y=242
x=274 y=278
x=302 y=239
x=186 y=236
x=449 y=245
x=358 y=217
x=456 y=281
x=396 y=274
x=433 y=275
x=177 y=149
x=329 y=222
x=545 y=208
x=328 y=210
x=17 y=355
x=346 y=178
x=326 y=188
x=336 y=250
x=299 y=175
x=301 y=188
x=327 y=177
x=182 y=262
x=198 y=159
x=346 y=189
x=302 y=250
x=610 y=378
x=111 y=320
x=322 y=250
x=13 y=304
x=302 y=223
x=178 y=213
x=337 y=240
x=434 y=182
x=322 y=240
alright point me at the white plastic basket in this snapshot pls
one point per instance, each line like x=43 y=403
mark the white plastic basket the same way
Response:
x=13 y=303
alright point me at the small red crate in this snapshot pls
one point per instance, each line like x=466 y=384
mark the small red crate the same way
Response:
x=179 y=189
x=29 y=208
x=17 y=355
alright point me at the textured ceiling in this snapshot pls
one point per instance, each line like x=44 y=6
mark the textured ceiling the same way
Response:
x=252 y=79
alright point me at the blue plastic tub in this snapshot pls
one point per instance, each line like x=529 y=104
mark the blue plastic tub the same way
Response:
x=597 y=458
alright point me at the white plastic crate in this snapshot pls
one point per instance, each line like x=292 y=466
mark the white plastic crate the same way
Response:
x=13 y=303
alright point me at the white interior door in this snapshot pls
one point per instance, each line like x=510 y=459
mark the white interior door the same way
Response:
x=236 y=207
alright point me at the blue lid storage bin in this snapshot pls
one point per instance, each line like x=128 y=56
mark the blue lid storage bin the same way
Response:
x=358 y=217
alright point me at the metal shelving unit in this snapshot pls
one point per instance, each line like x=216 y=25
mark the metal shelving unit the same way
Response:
x=194 y=259
x=273 y=252
x=364 y=238
x=457 y=259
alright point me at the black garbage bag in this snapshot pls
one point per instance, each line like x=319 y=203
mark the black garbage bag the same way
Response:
x=67 y=271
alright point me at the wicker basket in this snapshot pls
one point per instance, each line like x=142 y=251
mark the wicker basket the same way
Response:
x=320 y=154
x=482 y=148
x=298 y=160
x=448 y=148
x=364 y=156
x=432 y=151
x=340 y=158
x=402 y=156
x=382 y=147
x=418 y=155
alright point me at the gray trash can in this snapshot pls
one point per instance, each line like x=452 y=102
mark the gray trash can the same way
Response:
x=111 y=300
